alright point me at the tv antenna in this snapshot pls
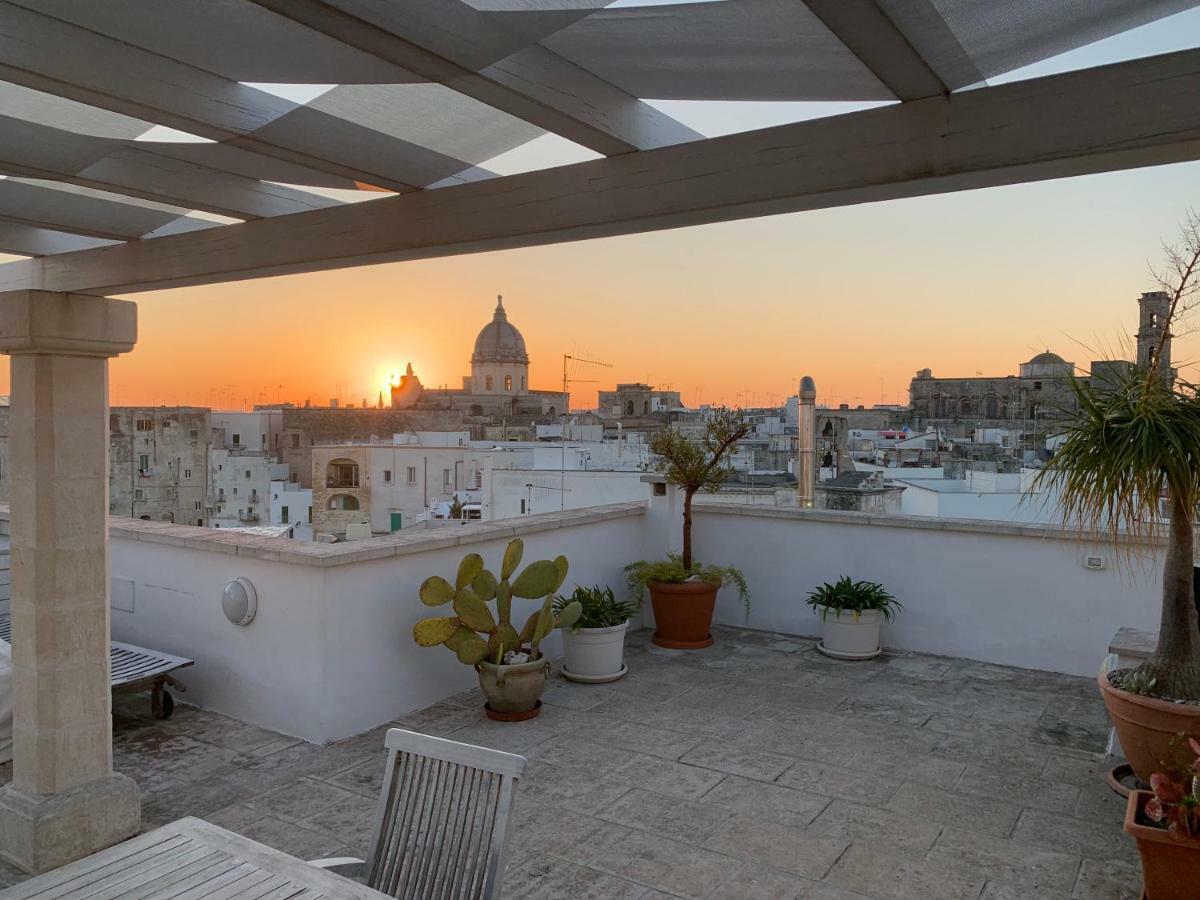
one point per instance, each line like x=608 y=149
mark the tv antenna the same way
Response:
x=567 y=382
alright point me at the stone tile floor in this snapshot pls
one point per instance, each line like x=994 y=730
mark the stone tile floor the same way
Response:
x=754 y=769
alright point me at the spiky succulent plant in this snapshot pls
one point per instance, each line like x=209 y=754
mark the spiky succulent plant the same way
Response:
x=473 y=632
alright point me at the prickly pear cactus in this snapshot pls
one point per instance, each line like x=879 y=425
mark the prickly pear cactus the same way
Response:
x=473 y=633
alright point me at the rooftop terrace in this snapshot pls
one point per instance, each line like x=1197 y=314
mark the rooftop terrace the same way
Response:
x=756 y=768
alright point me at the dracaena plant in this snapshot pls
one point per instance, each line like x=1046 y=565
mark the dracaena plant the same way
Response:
x=473 y=633
x=1176 y=801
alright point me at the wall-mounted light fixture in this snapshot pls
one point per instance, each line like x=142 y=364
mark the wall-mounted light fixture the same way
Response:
x=239 y=600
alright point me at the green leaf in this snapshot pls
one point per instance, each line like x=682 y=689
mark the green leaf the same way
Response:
x=431 y=632
x=436 y=591
x=473 y=612
x=484 y=586
x=512 y=558
x=539 y=579
x=468 y=569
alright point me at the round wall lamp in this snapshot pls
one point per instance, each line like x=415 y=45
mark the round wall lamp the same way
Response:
x=239 y=600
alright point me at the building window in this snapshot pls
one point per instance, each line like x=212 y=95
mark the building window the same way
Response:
x=195 y=434
x=387 y=476
x=235 y=492
x=412 y=474
x=629 y=407
x=237 y=439
x=138 y=494
x=1037 y=385
x=187 y=473
x=522 y=506
x=247 y=473
x=522 y=384
x=143 y=463
x=196 y=505
x=487 y=383
x=508 y=382
x=295 y=440
x=264 y=441
x=144 y=425
x=200 y=522
x=343 y=502
x=445 y=479
x=341 y=473
x=645 y=407
x=283 y=516
x=310 y=515
x=221 y=495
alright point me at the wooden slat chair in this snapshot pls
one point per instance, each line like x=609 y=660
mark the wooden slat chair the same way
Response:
x=442 y=825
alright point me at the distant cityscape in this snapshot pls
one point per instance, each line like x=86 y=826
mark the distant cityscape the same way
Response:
x=498 y=448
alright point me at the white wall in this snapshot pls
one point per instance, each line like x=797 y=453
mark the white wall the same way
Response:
x=330 y=653
x=505 y=490
x=1017 y=595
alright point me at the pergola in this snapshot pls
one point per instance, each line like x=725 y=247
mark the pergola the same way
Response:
x=407 y=100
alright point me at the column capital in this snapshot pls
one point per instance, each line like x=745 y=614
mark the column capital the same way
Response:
x=47 y=322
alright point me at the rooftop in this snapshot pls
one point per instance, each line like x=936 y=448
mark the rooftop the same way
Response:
x=756 y=768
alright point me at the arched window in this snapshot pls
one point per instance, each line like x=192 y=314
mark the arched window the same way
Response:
x=992 y=406
x=343 y=502
x=964 y=406
x=475 y=410
x=939 y=406
x=645 y=407
x=341 y=473
x=629 y=407
x=508 y=382
x=552 y=412
x=487 y=383
x=522 y=384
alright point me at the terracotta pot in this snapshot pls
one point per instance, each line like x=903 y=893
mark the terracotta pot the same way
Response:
x=1170 y=863
x=683 y=614
x=1146 y=726
x=513 y=689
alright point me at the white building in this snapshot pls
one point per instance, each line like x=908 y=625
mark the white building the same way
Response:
x=260 y=430
x=292 y=505
x=240 y=486
x=995 y=496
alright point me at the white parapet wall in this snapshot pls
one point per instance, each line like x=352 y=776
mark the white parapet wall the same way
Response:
x=1018 y=595
x=330 y=653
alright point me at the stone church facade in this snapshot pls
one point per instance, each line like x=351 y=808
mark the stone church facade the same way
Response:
x=1041 y=390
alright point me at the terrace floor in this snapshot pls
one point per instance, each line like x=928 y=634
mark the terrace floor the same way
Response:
x=755 y=769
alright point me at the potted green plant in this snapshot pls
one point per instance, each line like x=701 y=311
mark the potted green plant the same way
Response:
x=510 y=665
x=1133 y=448
x=1165 y=822
x=594 y=647
x=851 y=614
x=683 y=593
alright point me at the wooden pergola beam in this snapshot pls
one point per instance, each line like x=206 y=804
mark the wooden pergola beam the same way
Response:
x=871 y=36
x=1137 y=113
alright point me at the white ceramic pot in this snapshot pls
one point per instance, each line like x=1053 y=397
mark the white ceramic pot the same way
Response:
x=847 y=637
x=594 y=654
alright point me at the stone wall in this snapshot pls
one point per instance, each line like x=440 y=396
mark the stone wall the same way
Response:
x=172 y=442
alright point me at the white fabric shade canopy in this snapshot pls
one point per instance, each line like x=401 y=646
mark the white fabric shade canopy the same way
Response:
x=281 y=100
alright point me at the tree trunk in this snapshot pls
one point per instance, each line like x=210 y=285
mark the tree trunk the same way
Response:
x=1175 y=663
x=687 y=529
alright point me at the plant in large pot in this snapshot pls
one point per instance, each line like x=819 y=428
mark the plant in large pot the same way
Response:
x=1131 y=453
x=851 y=613
x=511 y=667
x=683 y=593
x=594 y=647
x=1165 y=822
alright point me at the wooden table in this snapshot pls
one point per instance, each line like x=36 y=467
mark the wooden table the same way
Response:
x=191 y=859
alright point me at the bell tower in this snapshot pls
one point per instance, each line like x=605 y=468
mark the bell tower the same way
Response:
x=1154 y=307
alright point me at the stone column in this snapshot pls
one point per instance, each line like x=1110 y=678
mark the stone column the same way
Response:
x=806 y=444
x=64 y=801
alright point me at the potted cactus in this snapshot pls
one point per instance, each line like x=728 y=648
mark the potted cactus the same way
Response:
x=511 y=667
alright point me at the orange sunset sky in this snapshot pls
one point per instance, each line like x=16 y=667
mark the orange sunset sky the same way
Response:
x=860 y=297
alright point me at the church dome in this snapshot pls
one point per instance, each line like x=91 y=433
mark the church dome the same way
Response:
x=1047 y=359
x=500 y=342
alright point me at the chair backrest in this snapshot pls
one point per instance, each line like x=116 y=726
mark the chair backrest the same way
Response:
x=443 y=817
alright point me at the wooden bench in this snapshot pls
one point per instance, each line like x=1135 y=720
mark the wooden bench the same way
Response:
x=134 y=669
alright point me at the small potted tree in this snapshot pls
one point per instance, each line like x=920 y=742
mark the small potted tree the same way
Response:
x=851 y=613
x=1165 y=822
x=594 y=647
x=1133 y=449
x=683 y=593
x=510 y=664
